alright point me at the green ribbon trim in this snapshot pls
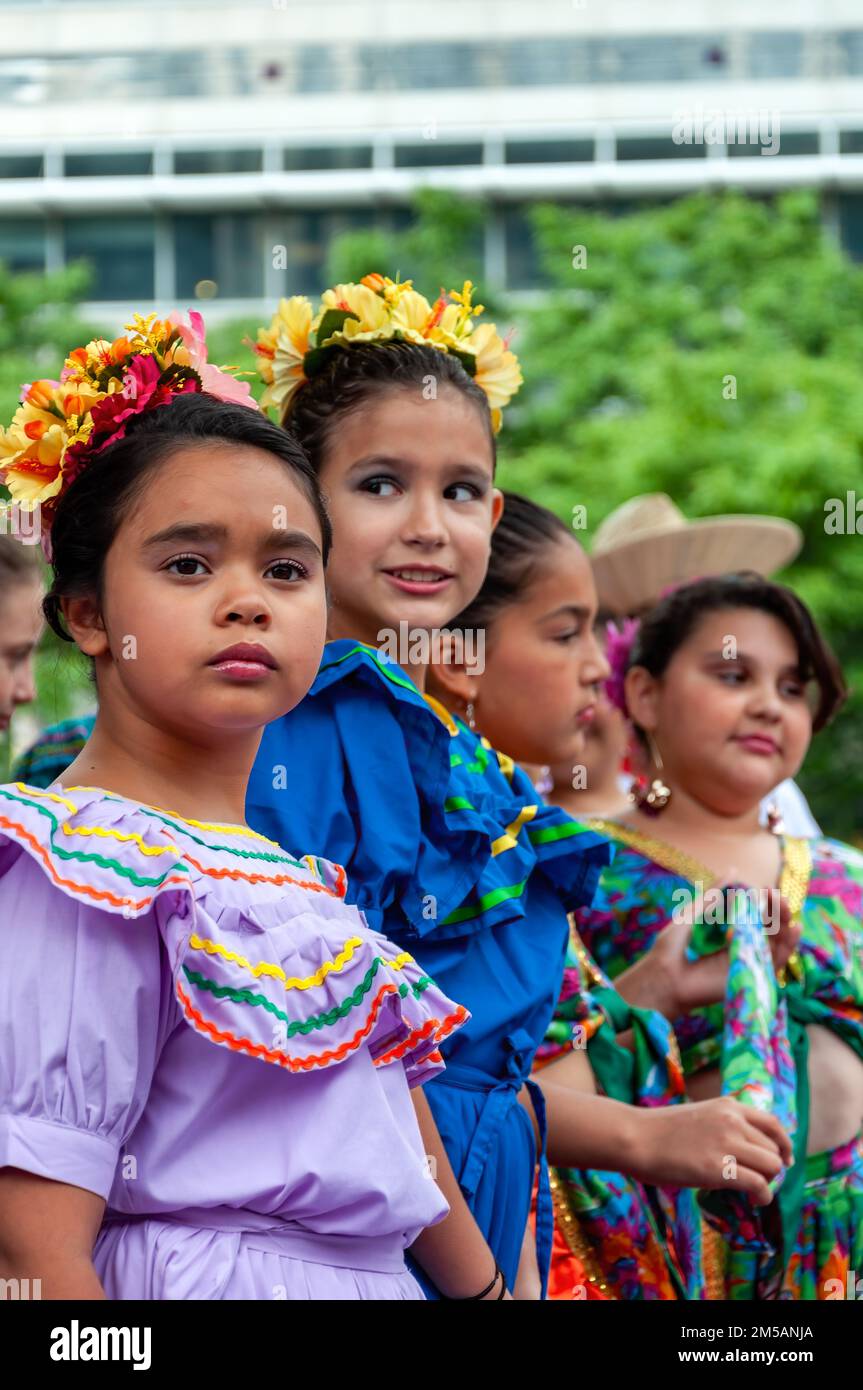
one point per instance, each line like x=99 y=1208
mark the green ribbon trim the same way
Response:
x=547 y=834
x=488 y=900
x=315 y=1021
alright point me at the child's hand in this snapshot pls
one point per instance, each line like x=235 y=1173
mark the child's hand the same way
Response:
x=712 y=1144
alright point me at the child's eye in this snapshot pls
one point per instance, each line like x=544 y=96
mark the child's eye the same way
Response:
x=794 y=689
x=567 y=636
x=184 y=560
x=380 y=487
x=294 y=570
x=733 y=676
x=468 y=492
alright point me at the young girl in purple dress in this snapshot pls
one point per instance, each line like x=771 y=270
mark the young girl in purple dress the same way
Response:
x=206 y=1056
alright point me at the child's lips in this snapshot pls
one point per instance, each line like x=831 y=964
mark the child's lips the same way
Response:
x=762 y=744
x=419 y=579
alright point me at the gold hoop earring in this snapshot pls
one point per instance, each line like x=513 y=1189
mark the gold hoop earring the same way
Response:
x=651 y=797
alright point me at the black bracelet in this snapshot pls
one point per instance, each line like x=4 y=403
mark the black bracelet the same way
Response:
x=473 y=1297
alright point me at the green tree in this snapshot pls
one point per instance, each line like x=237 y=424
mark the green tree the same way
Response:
x=709 y=349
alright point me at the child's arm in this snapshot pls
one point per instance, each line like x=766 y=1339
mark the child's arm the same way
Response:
x=685 y=1145
x=454 y=1253
x=47 y=1232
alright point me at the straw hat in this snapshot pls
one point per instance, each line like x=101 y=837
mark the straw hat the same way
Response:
x=647 y=544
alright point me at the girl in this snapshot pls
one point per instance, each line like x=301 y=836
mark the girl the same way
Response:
x=171 y=982
x=726 y=681
x=536 y=609
x=20 y=626
x=445 y=843
x=698 y=706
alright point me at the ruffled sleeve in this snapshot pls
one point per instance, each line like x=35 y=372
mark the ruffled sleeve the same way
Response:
x=82 y=1010
x=437 y=833
x=264 y=957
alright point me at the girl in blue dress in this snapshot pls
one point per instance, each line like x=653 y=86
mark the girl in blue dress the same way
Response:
x=445 y=843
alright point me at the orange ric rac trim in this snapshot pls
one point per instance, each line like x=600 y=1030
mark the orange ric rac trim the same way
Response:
x=319 y=1059
x=433 y=1025
x=276 y=879
x=85 y=889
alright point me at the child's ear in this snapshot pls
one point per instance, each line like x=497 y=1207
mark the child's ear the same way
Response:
x=455 y=682
x=84 y=621
x=642 y=697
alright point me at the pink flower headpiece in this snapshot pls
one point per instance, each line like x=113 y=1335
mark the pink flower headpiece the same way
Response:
x=619 y=643
x=60 y=425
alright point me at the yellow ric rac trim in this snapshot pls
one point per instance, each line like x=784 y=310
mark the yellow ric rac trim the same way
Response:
x=215 y=948
x=175 y=815
x=443 y=715
x=509 y=839
x=793 y=878
x=105 y=834
x=48 y=796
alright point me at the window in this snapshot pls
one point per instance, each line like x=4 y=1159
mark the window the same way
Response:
x=851 y=223
x=764 y=129
x=851 y=142
x=109 y=165
x=21 y=166
x=329 y=157
x=431 y=153
x=217 y=161
x=548 y=151
x=523 y=269
x=657 y=147
x=22 y=243
x=225 y=248
x=774 y=55
x=119 y=251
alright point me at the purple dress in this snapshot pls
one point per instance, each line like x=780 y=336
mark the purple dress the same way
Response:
x=196 y=1027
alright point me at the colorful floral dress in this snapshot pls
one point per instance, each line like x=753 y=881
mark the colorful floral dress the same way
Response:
x=813 y=1231
x=197 y=1028
x=632 y=1241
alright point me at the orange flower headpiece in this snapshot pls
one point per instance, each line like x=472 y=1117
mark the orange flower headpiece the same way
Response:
x=299 y=340
x=60 y=425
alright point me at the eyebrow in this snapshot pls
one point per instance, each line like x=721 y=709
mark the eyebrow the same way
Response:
x=190 y=532
x=578 y=610
x=473 y=470
x=794 y=668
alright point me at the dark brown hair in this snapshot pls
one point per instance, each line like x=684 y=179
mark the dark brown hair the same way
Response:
x=673 y=620
x=354 y=375
x=525 y=531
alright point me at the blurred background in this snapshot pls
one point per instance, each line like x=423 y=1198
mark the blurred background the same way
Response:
x=663 y=201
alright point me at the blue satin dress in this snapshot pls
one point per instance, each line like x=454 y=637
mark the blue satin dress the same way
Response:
x=450 y=852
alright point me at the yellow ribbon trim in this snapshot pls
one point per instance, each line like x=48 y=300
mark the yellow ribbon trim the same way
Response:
x=509 y=839
x=443 y=715
x=215 y=948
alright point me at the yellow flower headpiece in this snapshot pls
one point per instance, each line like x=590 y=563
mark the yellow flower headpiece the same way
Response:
x=60 y=425
x=298 y=341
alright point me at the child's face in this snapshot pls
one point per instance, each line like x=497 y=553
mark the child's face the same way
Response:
x=21 y=626
x=409 y=488
x=543 y=664
x=173 y=604
x=729 y=715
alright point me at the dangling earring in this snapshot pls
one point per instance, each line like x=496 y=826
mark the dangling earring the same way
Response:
x=651 y=797
x=775 y=823
x=469 y=713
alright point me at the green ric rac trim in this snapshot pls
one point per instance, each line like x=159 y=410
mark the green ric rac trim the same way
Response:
x=83 y=857
x=308 y=1025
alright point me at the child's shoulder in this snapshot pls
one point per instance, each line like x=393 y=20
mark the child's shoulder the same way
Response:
x=120 y=855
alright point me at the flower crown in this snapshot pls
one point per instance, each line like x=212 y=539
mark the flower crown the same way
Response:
x=60 y=425
x=297 y=343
